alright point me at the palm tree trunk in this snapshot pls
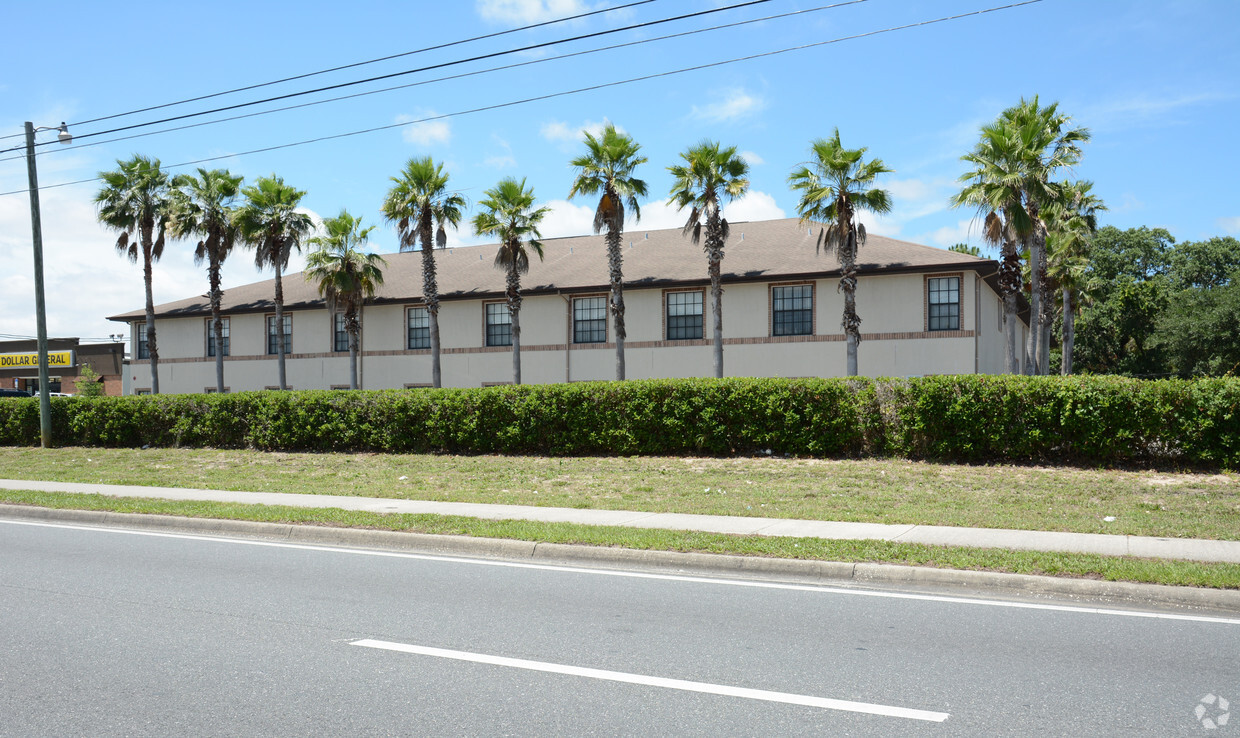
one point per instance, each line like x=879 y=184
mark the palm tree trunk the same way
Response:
x=714 y=256
x=615 y=264
x=1011 y=329
x=217 y=326
x=1069 y=332
x=1009 y=287
x=514 y=312
x=352 y=328
x=1034 y=338
x=430 y=292
x=848 y=283
x=151 y=350
x=280 y=328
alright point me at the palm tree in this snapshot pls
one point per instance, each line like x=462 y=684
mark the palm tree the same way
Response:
x=346 y=277
x=202 y=207
x=1047 y=143
x=134 y=202
x=993 y=188
x=709 y=174
x=833 y=187
x=607 y=168
x=419 y=202
x=1071 y=223
x=270 y=224
x=509 y=215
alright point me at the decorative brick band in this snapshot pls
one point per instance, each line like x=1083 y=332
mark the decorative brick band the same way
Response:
x=534 y=348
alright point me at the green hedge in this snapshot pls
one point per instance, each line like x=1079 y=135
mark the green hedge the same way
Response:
x=1090 y=420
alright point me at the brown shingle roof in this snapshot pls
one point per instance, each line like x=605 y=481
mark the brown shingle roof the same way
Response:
x=755 y=251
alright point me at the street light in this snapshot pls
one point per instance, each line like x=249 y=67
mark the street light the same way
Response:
x=36 y=228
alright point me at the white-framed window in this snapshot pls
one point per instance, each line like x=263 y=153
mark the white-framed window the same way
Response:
x=684 y=315
x=224 y=330
x=272 y=338
x=340 y=336
x=143 y=348
x=419 y=328
x=792 y=310
x=590 y=320
x=943 y=303
x=498 y=324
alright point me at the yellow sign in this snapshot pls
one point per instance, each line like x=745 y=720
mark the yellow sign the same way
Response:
x=31 y=361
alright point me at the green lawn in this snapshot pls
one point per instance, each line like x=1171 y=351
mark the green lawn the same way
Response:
x=1110 y=568
x=1189 y=505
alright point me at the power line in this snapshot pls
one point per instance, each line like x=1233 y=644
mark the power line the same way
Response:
x=552 y=95
x=532 y=47
x=355 y=64
x=449 y=77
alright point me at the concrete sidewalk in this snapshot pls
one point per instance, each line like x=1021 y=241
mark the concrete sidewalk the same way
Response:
x=1094 y=543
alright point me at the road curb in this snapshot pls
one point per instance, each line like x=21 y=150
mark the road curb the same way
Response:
x=604 y=557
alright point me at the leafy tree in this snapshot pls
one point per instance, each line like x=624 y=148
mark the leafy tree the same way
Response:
x=269 y=223
x=1196 y=333
x=134 y=202
x=833 y=187
x=419 y=203
x=1047 y=144
x=607 y=168
x=508 y=214
x=202 y=207
x=1205 y=264
x=992 y=187
x=964 y=248
x=1011 y=183
x=1129 y=271
x=87 y=383
x=709 y=175
x=1072 y=221
x=346 y=276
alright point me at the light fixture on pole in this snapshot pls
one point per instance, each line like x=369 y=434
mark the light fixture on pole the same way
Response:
x=36 y=228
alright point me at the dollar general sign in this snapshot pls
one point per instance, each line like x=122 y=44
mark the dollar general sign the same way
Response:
x=54 y=358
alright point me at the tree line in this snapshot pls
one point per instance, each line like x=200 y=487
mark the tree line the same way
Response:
x=1044 y=229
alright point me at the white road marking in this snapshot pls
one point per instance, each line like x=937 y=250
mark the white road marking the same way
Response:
x=652 y=681
x=647 y=575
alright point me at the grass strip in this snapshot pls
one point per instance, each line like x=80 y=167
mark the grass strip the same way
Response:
x=898 y=491
x=1109 y=568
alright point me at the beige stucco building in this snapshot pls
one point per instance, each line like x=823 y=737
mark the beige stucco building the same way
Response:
x=924 y=311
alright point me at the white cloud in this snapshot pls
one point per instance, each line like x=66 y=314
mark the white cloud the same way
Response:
x=1229 y=225
x=568 y=136
x=754 y=205
x=503 y=160
x=752 y=159
x=524 y=12
x=732 y=104
x=426 y=133
x=964 y=231
x=1146 y=108
x=656 y=215
x=567 y=219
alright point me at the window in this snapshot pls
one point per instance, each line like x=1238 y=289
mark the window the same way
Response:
x=792 y=310
x=590 y=320
x=419 y=328
x=144 y=349
x=499 y=324
x=273 y=347
x=211 y=336
x=340 y=337
x=944 y=303
x=213 y=390
x=684 y=315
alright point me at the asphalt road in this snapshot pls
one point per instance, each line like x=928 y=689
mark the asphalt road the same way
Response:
x=106 y=632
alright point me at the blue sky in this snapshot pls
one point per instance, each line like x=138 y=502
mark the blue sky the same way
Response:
x=1155 y=82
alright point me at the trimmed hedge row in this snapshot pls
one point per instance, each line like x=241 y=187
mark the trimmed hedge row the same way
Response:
x=979 y=418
